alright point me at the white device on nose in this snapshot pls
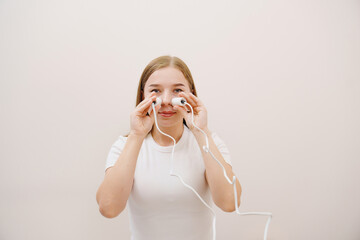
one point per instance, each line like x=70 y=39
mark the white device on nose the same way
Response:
x=182 y=102
x=175 y=101
x=158 y=101
x=178 y=101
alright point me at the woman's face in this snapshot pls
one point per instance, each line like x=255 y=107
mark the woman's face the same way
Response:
x=167 y=83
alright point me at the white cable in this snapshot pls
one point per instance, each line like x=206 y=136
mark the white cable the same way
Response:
x=207 y=150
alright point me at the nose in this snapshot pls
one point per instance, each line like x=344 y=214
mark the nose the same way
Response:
x=167 y=97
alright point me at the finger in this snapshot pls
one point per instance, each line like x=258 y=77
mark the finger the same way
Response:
x=145 y=108
x=151 y=115
x=145 y=104
x=149 y=110
x=188 y=99
x=156 y=109
x=151 y=107
x=152 y=96
x=196 y=100
x=144 y=101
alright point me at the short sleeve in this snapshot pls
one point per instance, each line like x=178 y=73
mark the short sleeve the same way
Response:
x=222 y=148
x=115 y=151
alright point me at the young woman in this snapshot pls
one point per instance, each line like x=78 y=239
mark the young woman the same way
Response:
x=137 y=168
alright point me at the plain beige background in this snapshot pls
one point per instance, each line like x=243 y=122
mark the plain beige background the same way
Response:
x=280 y=80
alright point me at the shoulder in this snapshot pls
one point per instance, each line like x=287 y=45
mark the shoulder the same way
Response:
x=119 y=143
x=115 y=150
x=223 y=149
x=121 y=139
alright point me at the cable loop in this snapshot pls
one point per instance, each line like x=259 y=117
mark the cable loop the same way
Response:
x=233 y=182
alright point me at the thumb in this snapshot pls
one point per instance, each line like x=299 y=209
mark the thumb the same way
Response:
x=156 y=111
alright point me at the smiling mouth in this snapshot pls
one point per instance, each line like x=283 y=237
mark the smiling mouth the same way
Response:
x=166 y=114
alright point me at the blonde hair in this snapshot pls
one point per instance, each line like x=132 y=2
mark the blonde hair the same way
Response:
x=163 y=62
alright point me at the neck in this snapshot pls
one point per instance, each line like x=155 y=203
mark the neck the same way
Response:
x=162 y=140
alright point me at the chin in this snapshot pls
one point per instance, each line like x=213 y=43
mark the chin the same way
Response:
x=163 y=122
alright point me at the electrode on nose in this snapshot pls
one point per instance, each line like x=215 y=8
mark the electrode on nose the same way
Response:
x=157 y=101
x=178 y=101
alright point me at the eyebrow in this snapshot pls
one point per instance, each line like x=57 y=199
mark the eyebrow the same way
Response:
x=176 y=84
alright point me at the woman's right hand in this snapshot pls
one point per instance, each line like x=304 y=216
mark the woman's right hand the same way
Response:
x=140 y=122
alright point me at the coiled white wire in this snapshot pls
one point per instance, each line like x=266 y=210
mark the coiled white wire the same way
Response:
x=233 y=182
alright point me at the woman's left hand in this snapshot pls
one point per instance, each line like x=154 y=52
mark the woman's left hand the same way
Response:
x=200 y=113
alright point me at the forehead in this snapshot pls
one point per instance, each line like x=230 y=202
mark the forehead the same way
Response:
x=167 y=77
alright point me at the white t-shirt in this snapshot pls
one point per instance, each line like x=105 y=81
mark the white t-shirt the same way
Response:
x=160 y=206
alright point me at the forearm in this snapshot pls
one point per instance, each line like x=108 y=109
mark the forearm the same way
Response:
x=114 y=191
x=221 y=190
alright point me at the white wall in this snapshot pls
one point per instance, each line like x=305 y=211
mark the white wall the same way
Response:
x=280 y=80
